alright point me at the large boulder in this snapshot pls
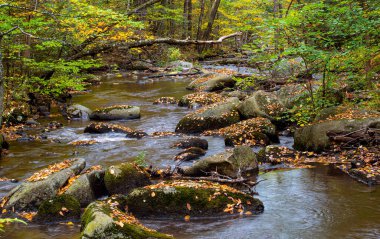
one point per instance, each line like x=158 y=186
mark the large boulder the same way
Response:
x=116 y=112
x=199 y=99
x=210 y=83
x=251 y=132
x=232 y=163
x=263 y=104
x=214 y=116
x=290 y=94
x=88 y=186
x=123 y=178
x=77 y=111
x=101 y=128
x=289 y=68
x=106 y=219
x=42 y=186
x=315 y=137
x=62 y=207
x=178 y=199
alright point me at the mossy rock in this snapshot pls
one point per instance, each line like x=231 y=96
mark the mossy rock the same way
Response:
x=118 y=112
x=214 y=83
x=290 y=95
x=194 y=198
x=166 y=100
x=314 y=137
x=61 y=207
x=105 y=220
x=241 y=159
x=102 y=128
x=200 y=99
x=262 y=104
x=77 y=111
x=211 y=117
x=123 y=178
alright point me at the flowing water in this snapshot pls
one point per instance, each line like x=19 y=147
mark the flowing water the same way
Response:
x=301 y=203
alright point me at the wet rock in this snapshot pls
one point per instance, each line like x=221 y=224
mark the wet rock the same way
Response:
x=42 y=186
x=54 y=125
x=101 y=128
x=251 y=132
x=16 y=116
x=123 y=178
x=31 y=122
x=77 y=111
x=232 y=163
x=179 y=198
x=192 y=142
x=88 y=186
x=180 y=65
x=166 y=100
x=190 y=154
x=314 y=137
x=214 y=116
x=140 y=65
x=200 y=99
x=116 y=112
x=263 y=104
x=62 y=207
x=103 y=219
x=211 y=83
x=275 y=154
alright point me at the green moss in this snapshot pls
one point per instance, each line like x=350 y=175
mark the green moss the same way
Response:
x=60 y=207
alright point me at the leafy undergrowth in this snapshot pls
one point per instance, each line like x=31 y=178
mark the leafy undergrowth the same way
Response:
x=46 y=172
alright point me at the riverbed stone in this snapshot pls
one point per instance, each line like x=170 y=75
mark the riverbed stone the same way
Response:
x=105 y=219
x=199 y=99
x=42 y=186
x=123 y=178
x=101 y=128
x=210 y=117
x=262 y=104
x=193 y=198
x=275 y=154
x=211 y=83
x=166 y=100
x=61 y=207
x=192 y=142
x=116 y=112
x=314 y=137
x=190 y=154
x=77 y=111
x=232 y=163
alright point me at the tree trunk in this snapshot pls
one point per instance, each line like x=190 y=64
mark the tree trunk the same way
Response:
x=211 y=18
x=1 y=89
x=200 y=19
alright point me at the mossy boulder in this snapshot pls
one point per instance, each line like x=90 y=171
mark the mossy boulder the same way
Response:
x=116 y=112
x=62 y=207
x=314 y=137
x=192 y=142
x=232 y=163
x=199 y=99
x=42 y=186
x=123 y=178
x=177 y=199
x=211 y=83
x=88 y=186
x=262 y=104
x=102 y=128
x=77 y=111
x=105 y=219
x=210 y=117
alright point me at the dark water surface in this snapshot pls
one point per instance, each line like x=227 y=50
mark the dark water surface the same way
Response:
x=302 y=203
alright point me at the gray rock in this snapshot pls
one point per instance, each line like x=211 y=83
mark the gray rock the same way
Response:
x=217 y=82
x=214 y=116
x=77 y=111
x=231 y=163
x=180 y=65
x=192 y=142
x=118 y=112
x=30 y=195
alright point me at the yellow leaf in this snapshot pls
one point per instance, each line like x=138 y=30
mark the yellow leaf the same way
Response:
x=187 y=218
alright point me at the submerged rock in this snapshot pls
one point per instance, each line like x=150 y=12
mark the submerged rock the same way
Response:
x=192 y=142
x=77 y=111
x=314 y=137
x=251 y=132
x=200 y=99
x=62 y=207
x=190 y=154
x=232 y=163
x=212 y=83
x=166 y=100
x=123 y=178
x=105 y=219
x=214 y=116
x=42 y=186
x=193 y=198
x=116 y=112
x=101 y=128
x=263 y=104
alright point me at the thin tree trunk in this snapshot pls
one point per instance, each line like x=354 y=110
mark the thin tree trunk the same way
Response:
x=211 y=18
x=200 y=19
x=1 y=89
x=189 y=18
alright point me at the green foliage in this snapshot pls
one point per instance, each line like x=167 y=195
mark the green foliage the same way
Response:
x=245 y=83
x=4 y=221
x=174 y=54
x=140 y=159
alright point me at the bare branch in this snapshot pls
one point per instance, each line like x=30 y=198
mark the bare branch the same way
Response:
x=142 y=6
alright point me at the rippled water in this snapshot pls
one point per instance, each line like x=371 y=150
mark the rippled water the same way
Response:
x=301 y=203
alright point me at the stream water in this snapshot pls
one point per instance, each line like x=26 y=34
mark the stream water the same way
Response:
x=318 y=202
